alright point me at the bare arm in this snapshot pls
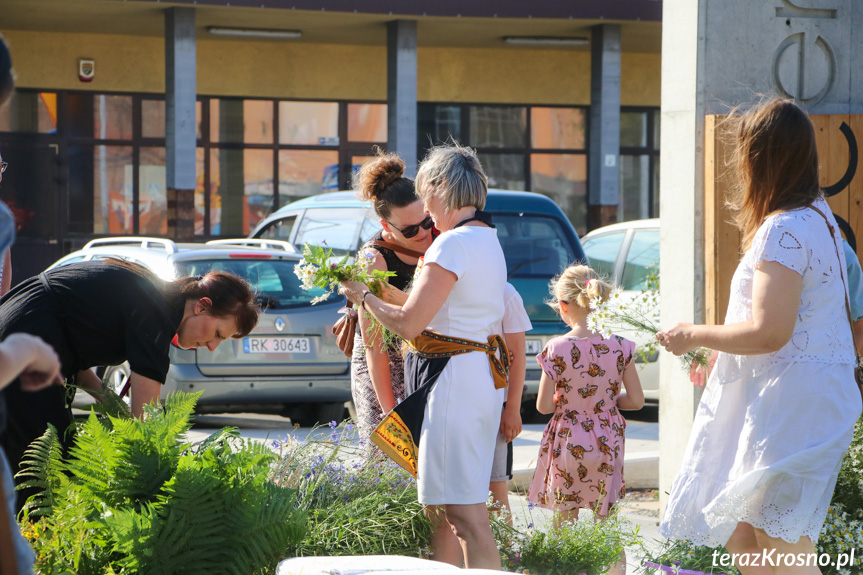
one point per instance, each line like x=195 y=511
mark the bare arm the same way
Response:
x=775 y=300
x=510 y=422
x=6 y=283
x=858 y=335
x=427 y=297
x=378 y=362
x=545 y=397
x=87 y=380
x=144 y=392
x=633 y=397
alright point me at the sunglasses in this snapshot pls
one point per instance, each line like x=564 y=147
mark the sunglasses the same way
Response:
x=413 y=230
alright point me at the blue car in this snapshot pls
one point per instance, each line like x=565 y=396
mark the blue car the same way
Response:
x=537 y=239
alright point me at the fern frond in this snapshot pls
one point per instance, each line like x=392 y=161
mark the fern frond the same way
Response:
x=42 y=469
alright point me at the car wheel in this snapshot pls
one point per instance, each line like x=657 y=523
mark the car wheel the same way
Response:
x=116 y=376
x=316 y=413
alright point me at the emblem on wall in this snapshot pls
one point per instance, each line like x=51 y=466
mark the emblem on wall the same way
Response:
x=86 y=69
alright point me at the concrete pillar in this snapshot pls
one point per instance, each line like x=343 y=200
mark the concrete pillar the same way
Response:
x=718 y=54
x=180 y=137
x=402 y=91
x=604 y=151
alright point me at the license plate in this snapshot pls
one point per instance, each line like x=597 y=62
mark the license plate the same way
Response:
x=532 y=346
x=277 y=344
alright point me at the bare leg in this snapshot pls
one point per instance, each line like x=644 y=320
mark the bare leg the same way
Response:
x=500 y=496
x=471 y=526
x=445 y=545
x=560 y=517
x=804 y=546
x=743 y=541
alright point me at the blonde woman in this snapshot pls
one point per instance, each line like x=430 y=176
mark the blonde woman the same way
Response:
x=779 y=408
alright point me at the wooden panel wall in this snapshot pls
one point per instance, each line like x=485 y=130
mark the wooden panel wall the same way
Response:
x=837 y=175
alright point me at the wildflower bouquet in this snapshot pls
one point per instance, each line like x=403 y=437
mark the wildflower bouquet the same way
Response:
x=641 y=314
x=317 y=270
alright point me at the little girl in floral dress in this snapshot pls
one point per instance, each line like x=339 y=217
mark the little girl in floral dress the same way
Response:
x=586 y=380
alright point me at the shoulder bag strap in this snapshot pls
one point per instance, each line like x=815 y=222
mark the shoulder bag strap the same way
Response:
x=396 y=248
x=841 y=275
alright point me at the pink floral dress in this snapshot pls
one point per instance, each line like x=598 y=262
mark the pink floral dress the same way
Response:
x=580 y=462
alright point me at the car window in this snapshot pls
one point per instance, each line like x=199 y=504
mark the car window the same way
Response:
x=642 y=260
x=337 y=228
x=370 y=228
x=602 y=252
x=279 y=229
x=534 y=246
x=273 y=280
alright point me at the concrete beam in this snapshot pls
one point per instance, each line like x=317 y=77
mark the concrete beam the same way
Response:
x=604 y=155
x=402 y=91
x=180 y=136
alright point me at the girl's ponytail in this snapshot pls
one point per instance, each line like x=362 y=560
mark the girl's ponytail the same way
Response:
x=578 y=284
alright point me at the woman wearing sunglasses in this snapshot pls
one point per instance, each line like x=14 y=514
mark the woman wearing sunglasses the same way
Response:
x=377 y=374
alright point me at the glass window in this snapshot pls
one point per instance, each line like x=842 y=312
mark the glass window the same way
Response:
x=200 y=182
x=504 y=171
x=242 y=182
x=153 y=118
x=273 y=280
x=367 y=122
x=634 y=188
x=241 y=121
x=656 y=132
x=602 y=252
x=309 y=123
x=534 y=246
x=338 y=227
x=557 y=128
x=633 y=130
x=655 y=212
x=437 y=124
x=304 y=173
x=199 y=119
x=498 y=126
x=280 y=229
x=563 y=178
x=641 y=260
x=371 y=226
x=152 y=196
x=112 y=117
x=30 y=112
x=100 y=189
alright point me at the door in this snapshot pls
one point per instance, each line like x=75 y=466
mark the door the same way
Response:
x=31 y=189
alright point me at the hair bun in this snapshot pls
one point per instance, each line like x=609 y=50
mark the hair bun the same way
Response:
x=376 y=175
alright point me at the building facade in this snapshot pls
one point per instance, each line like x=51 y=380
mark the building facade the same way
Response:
x=128 y=110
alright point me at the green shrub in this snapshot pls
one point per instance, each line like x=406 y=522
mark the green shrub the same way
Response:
x=686 y=555
x=133 y=497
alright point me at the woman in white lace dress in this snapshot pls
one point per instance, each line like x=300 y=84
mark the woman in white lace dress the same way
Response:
x=778 y=412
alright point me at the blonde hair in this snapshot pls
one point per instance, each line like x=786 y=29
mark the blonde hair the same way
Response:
x=452 y=172
x=381 y=181
x=578 y=284
x=776 y=162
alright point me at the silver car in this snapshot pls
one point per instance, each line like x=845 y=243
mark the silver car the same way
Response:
x=289 y=363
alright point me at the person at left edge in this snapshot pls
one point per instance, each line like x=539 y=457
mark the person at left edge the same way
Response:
x=104 y=313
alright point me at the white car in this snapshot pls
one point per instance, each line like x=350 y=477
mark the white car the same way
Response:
x=626 y=254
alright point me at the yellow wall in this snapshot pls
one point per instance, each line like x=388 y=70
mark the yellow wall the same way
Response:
x=325 y=71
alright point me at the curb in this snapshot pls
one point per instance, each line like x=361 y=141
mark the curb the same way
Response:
x=641 y=471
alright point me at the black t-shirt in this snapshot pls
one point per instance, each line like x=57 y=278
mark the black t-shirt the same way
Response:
x=97 y=314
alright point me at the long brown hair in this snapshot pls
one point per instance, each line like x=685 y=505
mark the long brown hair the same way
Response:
x=231 y=295
x=776 y=162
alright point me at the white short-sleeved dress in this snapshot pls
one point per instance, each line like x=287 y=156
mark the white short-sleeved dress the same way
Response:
x=462 y=415
x=771 y=430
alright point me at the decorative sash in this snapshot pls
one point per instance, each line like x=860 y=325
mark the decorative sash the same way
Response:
x=398 y=434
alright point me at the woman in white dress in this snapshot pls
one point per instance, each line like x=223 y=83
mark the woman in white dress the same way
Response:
x=779 y=409
x=457 y=299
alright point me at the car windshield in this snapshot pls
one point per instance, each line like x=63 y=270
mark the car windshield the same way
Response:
x=272 y=279
x=336 y=228
x=534 y=246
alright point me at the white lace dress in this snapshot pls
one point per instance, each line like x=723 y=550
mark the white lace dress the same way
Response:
x=771 y=430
